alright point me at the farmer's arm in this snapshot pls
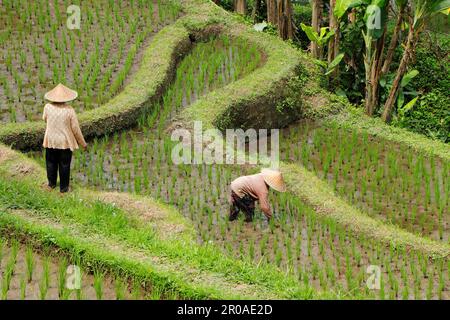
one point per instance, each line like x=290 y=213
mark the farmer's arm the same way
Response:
x=76 y=129
x=44 y=115
x=264 y=204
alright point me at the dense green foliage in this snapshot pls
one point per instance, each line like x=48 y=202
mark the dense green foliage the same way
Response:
x=429 y=116
x=431 y=113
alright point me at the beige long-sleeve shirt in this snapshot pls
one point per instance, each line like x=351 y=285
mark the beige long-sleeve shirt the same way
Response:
x=255 y=186
x=63 y=130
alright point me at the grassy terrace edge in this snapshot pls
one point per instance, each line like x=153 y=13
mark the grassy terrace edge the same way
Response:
x=257 y=91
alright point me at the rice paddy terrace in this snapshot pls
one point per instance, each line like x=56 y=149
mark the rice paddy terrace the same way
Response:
x=38 y=51
x=355 y=199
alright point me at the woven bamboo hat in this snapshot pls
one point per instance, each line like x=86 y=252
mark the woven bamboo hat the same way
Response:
x=274 y=179
x=60 y=94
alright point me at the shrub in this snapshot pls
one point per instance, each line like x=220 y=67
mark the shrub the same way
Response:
x=430 y=116
x=432 y=65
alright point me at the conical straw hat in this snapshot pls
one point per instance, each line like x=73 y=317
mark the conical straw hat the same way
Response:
x=60 y=94
x=274 y=179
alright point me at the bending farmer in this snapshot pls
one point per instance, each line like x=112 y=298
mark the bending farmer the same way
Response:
x=248 y=189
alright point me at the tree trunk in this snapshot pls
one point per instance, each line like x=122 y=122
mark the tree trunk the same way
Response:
x=393 y=43
x=256 y=9
x=368 y=96
x=376 y=70
x=315 y=22
x=410 y=43
x=240 y=6
x=272 y=12
x=290 y=21
x=333 y=43
x=333 y=25
x=284 y=23
x=352 y=15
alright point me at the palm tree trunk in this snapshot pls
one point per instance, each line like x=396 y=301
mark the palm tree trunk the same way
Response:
x=410 y=43
x=240 y=6
x=376 y=70
x=333 y=43
x=289 y=15
x=284 y=23
x=393 y=43
x=315 y=22
x=333 y=25
x=272 y=12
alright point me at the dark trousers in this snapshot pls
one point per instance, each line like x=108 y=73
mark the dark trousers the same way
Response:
x=245 y=204
x=58 y=160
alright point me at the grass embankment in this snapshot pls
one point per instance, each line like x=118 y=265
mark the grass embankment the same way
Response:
x=319 y=194
x=106 y=236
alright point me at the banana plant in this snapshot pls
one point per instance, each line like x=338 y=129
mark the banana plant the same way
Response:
x=330 y=67
x=320 y=38
x=386 y=82
x=376 y=20
x=403 y=110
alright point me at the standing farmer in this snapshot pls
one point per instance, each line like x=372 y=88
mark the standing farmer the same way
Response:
x=248 y=189
x=62 y=135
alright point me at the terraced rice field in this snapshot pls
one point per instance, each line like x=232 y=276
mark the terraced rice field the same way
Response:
x=318 y=251
x=38 y=50
x=386 y=181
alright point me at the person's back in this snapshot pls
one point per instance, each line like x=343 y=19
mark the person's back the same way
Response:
x=63 y=131
x=62 y=135
x=246 y=190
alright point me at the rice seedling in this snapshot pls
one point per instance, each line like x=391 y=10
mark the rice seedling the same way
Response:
x=119 y=289
x=44 y=283
x=30 y=264
x=2 y=245
x=136 y=293
x=63 y=292
x=98 y=284
x=23 y=288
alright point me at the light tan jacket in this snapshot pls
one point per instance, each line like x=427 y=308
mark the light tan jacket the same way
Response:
x=254 y=186
x=63 y=130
